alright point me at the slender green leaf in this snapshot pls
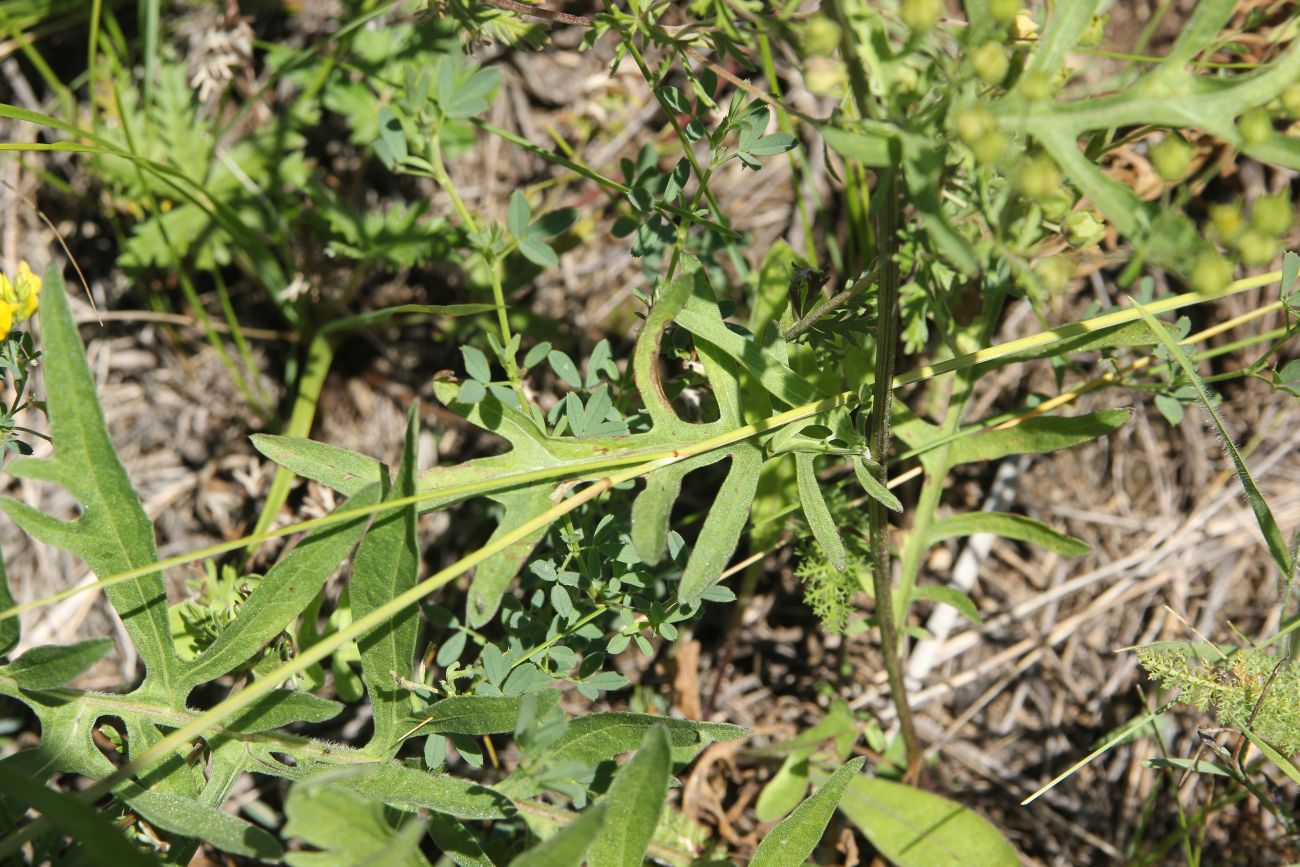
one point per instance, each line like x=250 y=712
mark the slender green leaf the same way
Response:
x=876 y=148
x=1036 y=436
x=950 y=596
x=456 y=842
x=478 y=714
x=786 y=788
x=875 y=489
x=791 y=842
x=113 y=533
x=599 y=737
x=385 y=567
x=566 y=848
x=189 y=818
x=397 y=784
x=1008 y=526
x=286 y=591
x=1273 y=537
x=914 y=828
x=635 y=798
x=341 y=469
x=282 y=707
x=10 y=628
x=817 y=513
x=52 y=665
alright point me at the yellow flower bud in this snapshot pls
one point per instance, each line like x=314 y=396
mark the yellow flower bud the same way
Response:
x=1054 y=273
x=1256 y=248
x=1025 y=27
x=1036 y=85
x=28 y=290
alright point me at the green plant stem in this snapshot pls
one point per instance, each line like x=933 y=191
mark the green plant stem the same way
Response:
x=493 y=264
x=887 y=208
x=677 y=127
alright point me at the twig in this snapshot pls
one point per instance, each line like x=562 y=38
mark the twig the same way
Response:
x=540 y=12
x=831 y=304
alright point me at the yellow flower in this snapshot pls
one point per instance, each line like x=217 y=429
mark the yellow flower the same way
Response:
x=28 y=290
x=7 y=311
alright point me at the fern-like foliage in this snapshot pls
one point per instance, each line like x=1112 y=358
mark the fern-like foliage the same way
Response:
x=1245 y=690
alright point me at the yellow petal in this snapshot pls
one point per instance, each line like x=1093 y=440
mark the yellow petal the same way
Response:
x=6 y=318
x=7 y=289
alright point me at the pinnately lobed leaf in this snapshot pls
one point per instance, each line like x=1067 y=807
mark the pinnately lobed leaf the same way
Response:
x=113 y=533
x=791 y=842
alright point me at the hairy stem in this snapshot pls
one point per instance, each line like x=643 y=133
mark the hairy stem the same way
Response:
x=879 y=437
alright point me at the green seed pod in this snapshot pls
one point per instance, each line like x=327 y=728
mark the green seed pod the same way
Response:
x=1273 y=215
x=1039 y=178
x=920 y=15
x=1227 y=220
x=1058 y=205
x=1096 y=32
x=821 y=36
x=1172 y=157
x=977 y=128
x=1054 y=273
x=1036 y=85
x=973 y=122
x=1083 y=229
x=1257 y=248
x=1004 y=11
x=1255 y=126
x=825 y=77
x=990 y=63
x=1211 y=273
x=1291 y=100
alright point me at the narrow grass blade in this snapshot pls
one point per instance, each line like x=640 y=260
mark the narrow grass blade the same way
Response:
x=1273 y=537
